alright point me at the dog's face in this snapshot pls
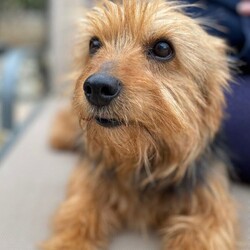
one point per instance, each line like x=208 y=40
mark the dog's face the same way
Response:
x=150 y=78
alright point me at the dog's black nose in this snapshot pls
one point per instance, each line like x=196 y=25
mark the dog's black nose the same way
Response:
x=101 y=89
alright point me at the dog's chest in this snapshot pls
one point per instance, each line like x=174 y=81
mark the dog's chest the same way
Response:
x=136 y=207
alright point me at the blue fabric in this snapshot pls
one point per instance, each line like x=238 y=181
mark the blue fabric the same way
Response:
x=223 y=12
x=245 y=52
x=237 y=127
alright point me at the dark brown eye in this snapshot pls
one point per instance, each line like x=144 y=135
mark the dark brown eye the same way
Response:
x=162 y=50
x=94 y=45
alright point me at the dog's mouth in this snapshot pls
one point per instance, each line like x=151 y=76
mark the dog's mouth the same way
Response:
x=108 y=123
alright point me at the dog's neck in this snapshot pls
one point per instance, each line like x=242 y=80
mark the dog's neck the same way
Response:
x=197 y=173
x=156 y=173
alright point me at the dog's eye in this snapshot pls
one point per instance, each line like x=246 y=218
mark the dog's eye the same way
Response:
x=94 y=45
x=162 y=50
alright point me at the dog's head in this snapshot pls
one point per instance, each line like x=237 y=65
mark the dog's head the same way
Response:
x=151 y=82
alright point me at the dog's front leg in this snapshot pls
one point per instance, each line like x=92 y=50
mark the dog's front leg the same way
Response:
x=82 y=223
x=207 y=220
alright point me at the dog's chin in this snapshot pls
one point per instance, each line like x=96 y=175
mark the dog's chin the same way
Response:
x=108 y=122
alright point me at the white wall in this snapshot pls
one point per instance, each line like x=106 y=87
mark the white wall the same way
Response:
x=61 y=35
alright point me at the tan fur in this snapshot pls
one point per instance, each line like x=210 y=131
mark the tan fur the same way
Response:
x=65 y=121
x=172 y=111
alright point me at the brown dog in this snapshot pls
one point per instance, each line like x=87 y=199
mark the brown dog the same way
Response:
x=149 y=98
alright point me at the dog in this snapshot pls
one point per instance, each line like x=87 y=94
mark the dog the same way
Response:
x=149 y=98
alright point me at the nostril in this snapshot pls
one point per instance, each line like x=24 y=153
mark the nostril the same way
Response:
x=88 y=90
x=108 y=91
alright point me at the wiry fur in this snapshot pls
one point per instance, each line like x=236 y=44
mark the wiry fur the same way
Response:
x=144 y=174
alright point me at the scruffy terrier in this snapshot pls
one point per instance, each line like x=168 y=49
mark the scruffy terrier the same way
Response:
x=150 y=98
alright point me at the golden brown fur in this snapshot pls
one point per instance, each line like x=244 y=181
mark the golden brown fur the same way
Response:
x=144 y=174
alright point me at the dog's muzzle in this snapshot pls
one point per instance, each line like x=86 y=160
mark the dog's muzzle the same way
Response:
x=100 y=89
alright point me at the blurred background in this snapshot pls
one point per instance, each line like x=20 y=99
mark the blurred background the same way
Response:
x=35 y=53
